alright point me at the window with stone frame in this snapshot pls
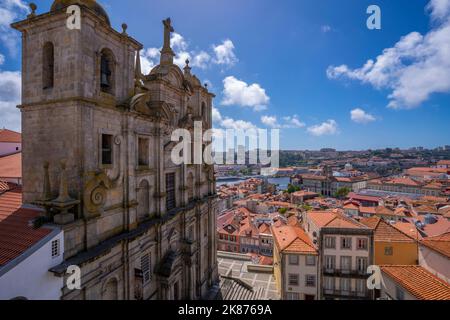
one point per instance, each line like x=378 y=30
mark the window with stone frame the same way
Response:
x=310 y=280
x=346 y=243
x=362 y=264
x=330 y=263
x=294 y=260
x=293 y=280
x=107 y=149
x=48 y=66
x=170 y=191
x=330 y=242
x=310 y=260
x=363 y=244
x=143 y=152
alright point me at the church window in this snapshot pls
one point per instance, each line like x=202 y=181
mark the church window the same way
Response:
x=48 y=65
x=107 y=149
x=143 y=154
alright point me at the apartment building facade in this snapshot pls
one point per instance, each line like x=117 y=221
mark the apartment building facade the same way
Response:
x=346 y=251
x=296 y=264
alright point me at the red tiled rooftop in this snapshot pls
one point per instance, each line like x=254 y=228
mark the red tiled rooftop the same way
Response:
x=385 y=232
x=10 y=136
x=440 y=244
x=293 y=240
x=328 y=219
x=419 y=282
x=16 y=235
x=360 y=197
x=11 y=166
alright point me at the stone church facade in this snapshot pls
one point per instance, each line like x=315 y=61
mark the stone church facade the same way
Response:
x=96 y=156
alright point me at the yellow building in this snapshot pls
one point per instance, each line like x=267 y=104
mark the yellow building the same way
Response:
x=392 y=246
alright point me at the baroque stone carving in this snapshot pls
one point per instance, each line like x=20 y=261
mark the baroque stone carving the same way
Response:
x=95 y=193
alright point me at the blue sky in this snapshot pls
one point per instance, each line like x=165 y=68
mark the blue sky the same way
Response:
x=294 y=65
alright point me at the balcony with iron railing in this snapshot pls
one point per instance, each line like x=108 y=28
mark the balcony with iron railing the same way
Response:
x=345 y=273
x=350 y=294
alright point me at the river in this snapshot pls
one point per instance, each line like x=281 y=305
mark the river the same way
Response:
x=281 y=182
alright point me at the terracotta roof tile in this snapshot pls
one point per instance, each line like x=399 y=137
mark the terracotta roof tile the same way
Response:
x=440 y=244
x=16 y=235
x=419 y=282
x=293 y=240
x=11 y=166
x=10 y=136
x=333 y=219
x=384 y=232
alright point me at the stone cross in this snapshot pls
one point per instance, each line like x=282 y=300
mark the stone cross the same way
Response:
x=168 y=29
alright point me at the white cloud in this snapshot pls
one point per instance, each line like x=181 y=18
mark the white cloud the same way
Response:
x=216 y=116
x=224 y=53
x=10 y=11
x=10 y=97
x=288 y=122
x=149 y=59
x=230 y=123
x=329 y=127
x=270 y=121
x=293 y=122
x=440 y=9
x=416 y=67
x=2 y=59
x=181 y=57
x=360 y=116
x=238 y=92
x=201 y=60
x=177 y=42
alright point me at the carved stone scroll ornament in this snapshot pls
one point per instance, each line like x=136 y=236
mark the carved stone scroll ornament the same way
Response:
x=95 y=193
x=117 y=178
x=98 y=184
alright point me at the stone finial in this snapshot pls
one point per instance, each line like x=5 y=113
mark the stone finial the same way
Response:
x=63 y=186
x=137 y=67
x=46 y=192
x=124 y=28
x=33 y=8
x=187 y=68
x=206 y=85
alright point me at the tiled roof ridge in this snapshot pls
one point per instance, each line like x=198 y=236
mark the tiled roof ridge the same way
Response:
x=420 y=269
x=401 y=231
x=348 y=219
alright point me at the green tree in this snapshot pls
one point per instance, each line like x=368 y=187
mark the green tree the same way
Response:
x=292 y=188
x=341 y=193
